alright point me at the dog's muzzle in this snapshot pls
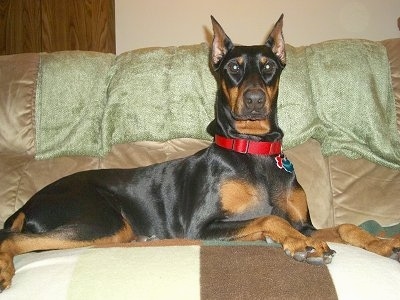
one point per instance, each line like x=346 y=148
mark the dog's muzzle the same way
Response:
x=254 y=104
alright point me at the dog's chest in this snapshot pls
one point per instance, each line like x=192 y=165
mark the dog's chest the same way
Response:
x=252 y=192
x=243 y=200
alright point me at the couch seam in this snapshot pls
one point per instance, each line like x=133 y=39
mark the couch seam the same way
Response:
x=333 y=209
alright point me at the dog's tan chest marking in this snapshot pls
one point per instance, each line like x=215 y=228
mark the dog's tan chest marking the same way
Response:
x=237 y=196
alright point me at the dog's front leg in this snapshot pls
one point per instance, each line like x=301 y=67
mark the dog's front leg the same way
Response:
x=295 y=244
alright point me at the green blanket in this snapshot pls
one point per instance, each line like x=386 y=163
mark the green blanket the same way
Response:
x=71 y=96
x=337 y=92
x=160 y=94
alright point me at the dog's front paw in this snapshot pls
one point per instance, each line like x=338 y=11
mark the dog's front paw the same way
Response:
x=309 y=250
x=6 y=270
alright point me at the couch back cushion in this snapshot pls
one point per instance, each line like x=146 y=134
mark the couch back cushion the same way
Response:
x=362 y=190
x=18 y=75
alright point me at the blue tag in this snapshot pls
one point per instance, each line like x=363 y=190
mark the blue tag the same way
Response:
x=283 y=163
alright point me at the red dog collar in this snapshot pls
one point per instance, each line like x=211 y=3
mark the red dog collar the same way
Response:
x=247 y=146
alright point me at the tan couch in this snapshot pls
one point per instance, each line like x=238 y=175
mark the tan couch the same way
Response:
x=65 y=112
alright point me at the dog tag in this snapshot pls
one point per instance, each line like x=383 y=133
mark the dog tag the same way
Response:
x=283 y=163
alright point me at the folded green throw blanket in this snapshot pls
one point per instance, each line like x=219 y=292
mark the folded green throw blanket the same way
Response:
x=71 y=96
x=337 y=92
x=159 y=94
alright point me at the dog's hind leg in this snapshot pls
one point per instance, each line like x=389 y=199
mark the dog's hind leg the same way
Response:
x=356 y=236
x=13 y=243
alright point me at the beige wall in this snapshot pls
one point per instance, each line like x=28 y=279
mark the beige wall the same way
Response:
x=145 y=23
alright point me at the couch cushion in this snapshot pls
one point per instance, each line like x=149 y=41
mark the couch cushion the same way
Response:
x=23 y=175
x=145 y=153
x=313 y=174
x=18 y=75
x=364 y=191
x=12 y=167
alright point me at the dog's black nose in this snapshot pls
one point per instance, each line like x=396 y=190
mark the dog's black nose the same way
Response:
x=254 y=99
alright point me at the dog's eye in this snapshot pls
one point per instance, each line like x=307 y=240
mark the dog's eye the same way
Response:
x=269 y=67
x=233 y=67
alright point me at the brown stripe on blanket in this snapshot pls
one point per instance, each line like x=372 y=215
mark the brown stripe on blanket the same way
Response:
x=259 y=272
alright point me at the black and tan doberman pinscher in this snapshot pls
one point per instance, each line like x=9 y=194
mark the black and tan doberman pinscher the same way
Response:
x=239 y=188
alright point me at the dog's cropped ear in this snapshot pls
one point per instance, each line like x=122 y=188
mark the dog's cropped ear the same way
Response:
x=276 y=41
x=221 y=44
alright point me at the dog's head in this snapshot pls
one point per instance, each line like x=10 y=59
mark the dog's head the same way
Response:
x=248 y=82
